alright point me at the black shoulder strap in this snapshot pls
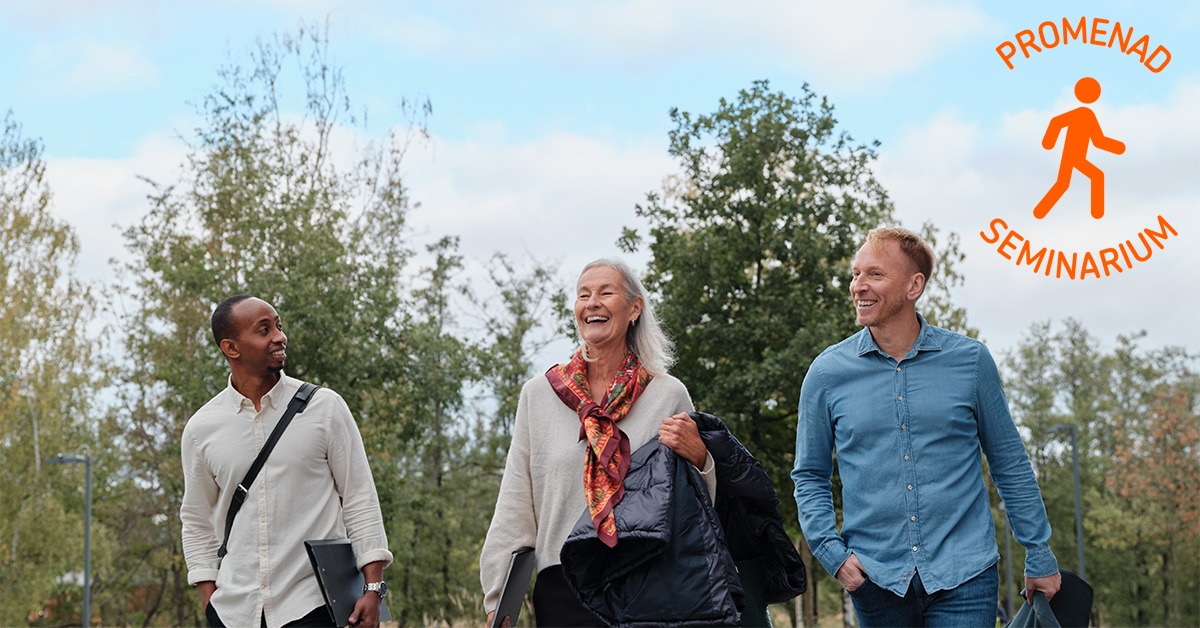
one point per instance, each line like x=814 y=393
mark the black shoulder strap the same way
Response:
x=297 y=404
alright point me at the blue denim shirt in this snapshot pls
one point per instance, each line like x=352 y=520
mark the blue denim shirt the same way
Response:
x=908 y=436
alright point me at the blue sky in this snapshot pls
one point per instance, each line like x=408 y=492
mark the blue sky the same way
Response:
x=551 y=118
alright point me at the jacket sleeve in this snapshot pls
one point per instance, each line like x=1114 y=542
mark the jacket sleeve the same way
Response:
x=739 y=474
x=514 y=523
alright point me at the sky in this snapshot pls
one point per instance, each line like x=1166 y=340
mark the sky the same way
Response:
x=550 y=122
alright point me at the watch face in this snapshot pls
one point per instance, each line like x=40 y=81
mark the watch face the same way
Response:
x=382 y=589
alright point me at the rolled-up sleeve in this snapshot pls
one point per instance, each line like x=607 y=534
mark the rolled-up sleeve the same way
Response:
x=355 y=483
x=200 y=495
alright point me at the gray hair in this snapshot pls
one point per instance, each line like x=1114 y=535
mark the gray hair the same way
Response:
x=645 y=337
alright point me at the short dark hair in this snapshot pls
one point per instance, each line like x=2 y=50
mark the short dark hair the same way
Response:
x=222 y=317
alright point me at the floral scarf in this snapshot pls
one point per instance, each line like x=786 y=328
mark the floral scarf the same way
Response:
x=608 y=447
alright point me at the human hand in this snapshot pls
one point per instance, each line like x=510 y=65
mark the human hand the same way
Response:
x=851 y=574
x=1047 y=584
x=680 y=433
x=366 y=611
x=206 y=590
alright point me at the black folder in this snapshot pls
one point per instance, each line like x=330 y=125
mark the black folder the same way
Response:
x=341 y=581
x=513 y=593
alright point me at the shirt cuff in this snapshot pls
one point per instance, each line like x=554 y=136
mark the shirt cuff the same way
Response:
x=1040 y=562
x=709 y=475
x=371 y=556
x=832 y=554
x=201 y=575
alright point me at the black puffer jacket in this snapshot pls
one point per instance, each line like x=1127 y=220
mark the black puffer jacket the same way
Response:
x=748 y=509
x=670 y=566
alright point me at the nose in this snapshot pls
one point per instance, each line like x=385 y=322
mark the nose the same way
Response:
x=280 y=337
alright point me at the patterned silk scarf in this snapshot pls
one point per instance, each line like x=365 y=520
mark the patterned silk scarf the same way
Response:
x=608 y=447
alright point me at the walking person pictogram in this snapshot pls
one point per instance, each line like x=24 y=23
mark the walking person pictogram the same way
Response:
x=1082 y=130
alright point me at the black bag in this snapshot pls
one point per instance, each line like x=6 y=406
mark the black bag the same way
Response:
x=1071 y=606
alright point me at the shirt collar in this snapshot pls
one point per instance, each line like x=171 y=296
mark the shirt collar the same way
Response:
x=240 y=402
x=927 y=340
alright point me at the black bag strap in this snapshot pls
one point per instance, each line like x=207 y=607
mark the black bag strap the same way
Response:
x=297 y=404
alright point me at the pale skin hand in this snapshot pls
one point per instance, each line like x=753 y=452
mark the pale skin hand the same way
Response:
x=1047 y=584
x=679 y=432
x=851 y=574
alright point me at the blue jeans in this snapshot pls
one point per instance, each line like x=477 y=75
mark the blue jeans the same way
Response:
x=972 y=603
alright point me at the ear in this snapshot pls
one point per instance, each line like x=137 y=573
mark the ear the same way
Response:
x=916 y=286
x=230 y=348
x=638 y=303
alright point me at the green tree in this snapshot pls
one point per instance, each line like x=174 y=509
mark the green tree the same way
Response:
x=264 y=205
x=751 y=247
x=50 y=373
x=1134 y=411
x=432 y=507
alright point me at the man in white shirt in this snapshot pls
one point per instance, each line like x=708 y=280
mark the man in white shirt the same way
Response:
x=316 y=484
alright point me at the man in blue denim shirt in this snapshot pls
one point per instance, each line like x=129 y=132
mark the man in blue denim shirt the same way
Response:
x=909 y=407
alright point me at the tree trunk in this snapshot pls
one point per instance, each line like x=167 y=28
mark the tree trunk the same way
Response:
x=809 y=598
x=849 y=619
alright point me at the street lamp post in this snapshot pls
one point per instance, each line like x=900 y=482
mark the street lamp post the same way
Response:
x=87 y=529
x=1078 y=499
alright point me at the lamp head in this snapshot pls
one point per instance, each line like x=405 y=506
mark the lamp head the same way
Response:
x=66 y=459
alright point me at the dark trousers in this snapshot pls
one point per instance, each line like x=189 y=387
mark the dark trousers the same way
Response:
x=318 y=618
x=555 y=604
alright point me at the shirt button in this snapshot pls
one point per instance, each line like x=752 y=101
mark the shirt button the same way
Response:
x=914 y=517
x=906 y=457
x=897 y=369
x=901 y=397
x=914 y=548
x=903 y=426
x=910 y=487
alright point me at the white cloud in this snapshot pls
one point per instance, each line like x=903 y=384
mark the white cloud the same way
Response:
x=87 y=68
x=831 y=41
x=960 y=177
x=101 y=197
x=563 y=196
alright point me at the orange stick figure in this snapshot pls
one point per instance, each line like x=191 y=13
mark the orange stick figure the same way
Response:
x=1082 y=130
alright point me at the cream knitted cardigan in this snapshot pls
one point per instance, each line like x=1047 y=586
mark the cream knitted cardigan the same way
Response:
x=541 y=494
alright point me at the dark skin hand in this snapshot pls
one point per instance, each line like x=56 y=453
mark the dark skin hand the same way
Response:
x=366 y=609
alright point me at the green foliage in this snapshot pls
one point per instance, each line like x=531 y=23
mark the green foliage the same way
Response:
x=752 y=244
x=263 y=205
x=1138 y=435
x=49 y=375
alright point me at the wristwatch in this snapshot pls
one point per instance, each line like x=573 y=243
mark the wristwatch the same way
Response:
x=378 y=587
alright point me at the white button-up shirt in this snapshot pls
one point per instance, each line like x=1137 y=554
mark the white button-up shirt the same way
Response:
x=316 y=484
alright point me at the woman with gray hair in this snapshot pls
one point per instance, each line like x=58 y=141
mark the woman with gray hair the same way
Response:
x=581 y=420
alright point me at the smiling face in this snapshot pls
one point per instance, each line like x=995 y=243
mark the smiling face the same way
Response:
x=885 y=284
x=259 y=346
x=603 y=311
